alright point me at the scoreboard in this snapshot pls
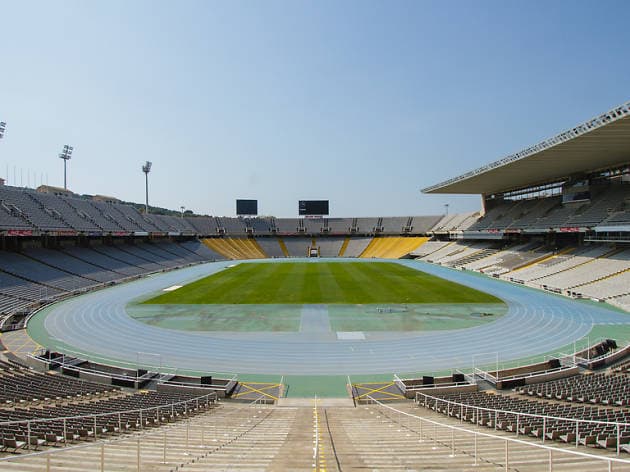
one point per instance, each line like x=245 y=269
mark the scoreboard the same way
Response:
x=313 y=207
x=246 y=207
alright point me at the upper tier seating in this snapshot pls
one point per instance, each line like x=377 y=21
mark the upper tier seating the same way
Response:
x=131 y=214
x=455 y=222
x=259 y=225
x=73 y=218
x=234 y=226
x=287 y=225
x=205 y=225
x=608 y=205
x=313 y=225
x=340 y=225
x=367 y=225
x=98 y=213
x=394 y=224
x=31 y=210
x=423 y=224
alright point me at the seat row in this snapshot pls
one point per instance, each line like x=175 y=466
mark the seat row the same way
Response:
x=23 y=428
x=604 y=389
x=572 y=424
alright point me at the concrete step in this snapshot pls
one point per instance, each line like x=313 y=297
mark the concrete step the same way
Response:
x=271 y=438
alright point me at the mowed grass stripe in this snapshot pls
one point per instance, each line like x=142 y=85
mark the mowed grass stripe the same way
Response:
x=323 y=282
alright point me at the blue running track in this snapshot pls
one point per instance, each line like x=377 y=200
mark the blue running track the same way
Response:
x=536 y=322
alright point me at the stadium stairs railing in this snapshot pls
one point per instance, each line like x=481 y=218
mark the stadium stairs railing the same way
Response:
x=65 y=423
x=229 y=379
x=451 y=407
x=194 y=441
x=445 y=434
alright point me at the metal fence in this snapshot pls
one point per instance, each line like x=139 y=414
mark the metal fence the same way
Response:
x=546 y=421
x=170 y=446
x=484 y=446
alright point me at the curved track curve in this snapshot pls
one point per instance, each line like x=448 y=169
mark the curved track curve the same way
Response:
x=536 y=322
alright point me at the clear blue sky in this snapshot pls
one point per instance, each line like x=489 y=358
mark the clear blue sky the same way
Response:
x=360 y=102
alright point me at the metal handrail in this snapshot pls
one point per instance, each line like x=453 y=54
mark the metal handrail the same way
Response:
x=316 y=444
x=518 y=413
x=230 y=376
x=610 y=460
x=560 y=356
x=112 y=413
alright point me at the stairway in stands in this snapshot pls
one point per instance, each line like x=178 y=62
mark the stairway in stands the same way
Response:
x=270 y=438
x=344 y=246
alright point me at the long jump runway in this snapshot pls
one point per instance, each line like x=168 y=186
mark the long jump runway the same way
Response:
x=96 y=324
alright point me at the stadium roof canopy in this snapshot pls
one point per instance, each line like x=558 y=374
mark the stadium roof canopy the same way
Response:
x=598 y=144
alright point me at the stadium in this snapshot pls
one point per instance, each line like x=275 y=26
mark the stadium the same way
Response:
x=422 y=316
x=142 y=338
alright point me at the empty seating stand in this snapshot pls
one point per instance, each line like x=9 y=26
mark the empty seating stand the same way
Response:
x=564 y=422
x=594 y=389
x=40 y=275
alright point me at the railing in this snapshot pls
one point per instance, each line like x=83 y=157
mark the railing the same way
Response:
x=260 y=402
x=568 y=361
x=170 y=445
x=316 y=442
x=525 y=375
x=113 y=420
x=114 y=363
x=427 y=428
x=464 y=409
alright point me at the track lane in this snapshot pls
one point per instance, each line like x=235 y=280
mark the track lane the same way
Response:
x=536 y=322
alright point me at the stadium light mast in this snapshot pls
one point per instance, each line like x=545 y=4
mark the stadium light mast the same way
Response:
x=182 y=208
x=3 y=126
x=66 y=154
x=446 y=208
x=146 y=168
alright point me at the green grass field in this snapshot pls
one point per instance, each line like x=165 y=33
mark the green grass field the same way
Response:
x=326 y=283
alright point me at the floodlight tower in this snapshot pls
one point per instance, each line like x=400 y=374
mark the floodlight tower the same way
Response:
x=3 y=126
x=182 y=208
x=66 y=154
x=446 y=208
x=146 y=168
